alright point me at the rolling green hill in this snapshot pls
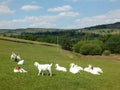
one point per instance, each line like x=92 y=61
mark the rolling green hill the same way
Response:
x=9 y=80
x=106 y=26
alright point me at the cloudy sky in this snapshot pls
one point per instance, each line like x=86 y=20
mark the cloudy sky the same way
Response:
x=57 y=13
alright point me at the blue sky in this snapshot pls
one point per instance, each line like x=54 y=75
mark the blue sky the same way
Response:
x=66 y=14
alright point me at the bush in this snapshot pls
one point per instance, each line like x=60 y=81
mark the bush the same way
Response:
x=106 y=53
x=91 y=49
x=80 y=44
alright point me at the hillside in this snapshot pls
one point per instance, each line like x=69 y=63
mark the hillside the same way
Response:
x=26 y=30
x=105 y=26
x=113 y=28
x=109 y=80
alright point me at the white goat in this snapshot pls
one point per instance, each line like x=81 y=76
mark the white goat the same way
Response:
x=75 y=68
x=59 y=68
x=93 y=70
x=19 y=69
x=20 y=62
x=15 y=57
x=18 y=57
x=43 y=67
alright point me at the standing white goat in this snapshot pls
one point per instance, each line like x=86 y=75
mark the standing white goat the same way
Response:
x=43 y=67
x=75 y=68
x=59 y=68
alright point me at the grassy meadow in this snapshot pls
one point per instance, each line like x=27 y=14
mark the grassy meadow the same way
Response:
x=109 y=80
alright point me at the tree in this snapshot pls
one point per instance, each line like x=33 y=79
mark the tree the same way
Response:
x=65 y=43
x=78 y=45
x=113 y=44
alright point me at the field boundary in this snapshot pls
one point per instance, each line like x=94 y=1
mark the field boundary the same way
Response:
x=26 y=41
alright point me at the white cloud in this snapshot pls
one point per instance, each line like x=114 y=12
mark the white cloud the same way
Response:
x=30 y=21
x=30 y=7
x=110 y=17
x=69 y=14
x=56 y=21
x=5 y=2
x=4 y=9
x=59 y=9
x=37 y=21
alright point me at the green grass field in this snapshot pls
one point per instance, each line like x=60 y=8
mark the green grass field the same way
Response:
x=109 y=80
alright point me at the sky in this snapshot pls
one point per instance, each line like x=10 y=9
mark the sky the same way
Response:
x=62 y=14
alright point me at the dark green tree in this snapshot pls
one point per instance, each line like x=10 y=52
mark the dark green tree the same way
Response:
x=113 y=44
x=65 y=43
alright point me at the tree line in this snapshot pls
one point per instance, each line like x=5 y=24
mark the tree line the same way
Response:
x=78 y=41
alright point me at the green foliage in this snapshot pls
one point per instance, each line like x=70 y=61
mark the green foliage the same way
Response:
x=29 y=37
x=90 y=49
x=65 y=43
x=104 y=38
x=78 y=45
x=106 y=52
x=48 y=40
x=113 y=44
x=84 y=48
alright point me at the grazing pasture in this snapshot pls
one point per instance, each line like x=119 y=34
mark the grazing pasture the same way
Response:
x=30 y=53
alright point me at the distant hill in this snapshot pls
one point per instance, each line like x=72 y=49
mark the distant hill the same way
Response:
x=106 y=26
x=27 y=30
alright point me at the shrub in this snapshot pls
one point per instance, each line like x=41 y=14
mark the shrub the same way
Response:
x=106 y=53
x=91 y=49
x=78 y=46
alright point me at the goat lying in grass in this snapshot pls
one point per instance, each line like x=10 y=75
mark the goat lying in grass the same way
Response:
x=19 y=69
x=75 y=68
x=59 y=68
x=43 y=67
x=15 y=57
x=93 y=70
x=20 y=62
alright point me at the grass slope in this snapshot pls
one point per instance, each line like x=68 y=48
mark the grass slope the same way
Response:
x=9 y=80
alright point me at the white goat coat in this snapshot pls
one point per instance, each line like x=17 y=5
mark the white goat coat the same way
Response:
x=13 y=56
x=74 y=68
x=20 y=62
x=21 y=70
x=94 y=70
x=87 y=69
x=60 y=68
x=18 y=57
x=43 y=67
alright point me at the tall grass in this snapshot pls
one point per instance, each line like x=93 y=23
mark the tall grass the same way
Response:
x=9 y=80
